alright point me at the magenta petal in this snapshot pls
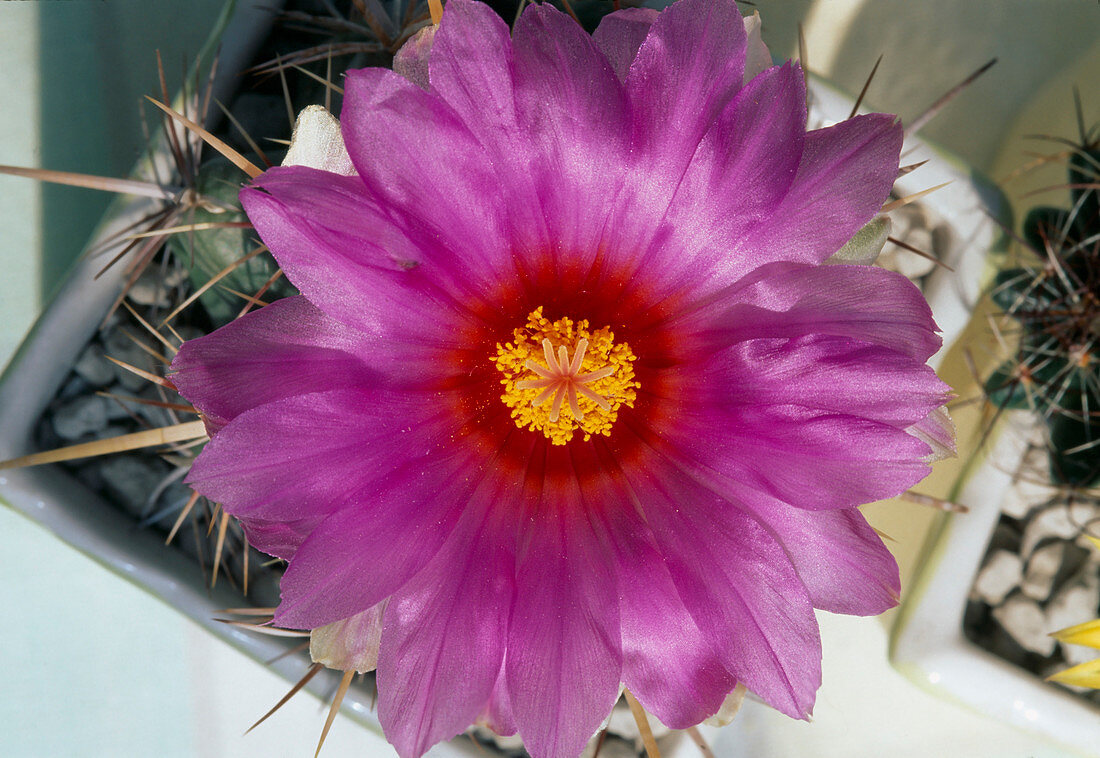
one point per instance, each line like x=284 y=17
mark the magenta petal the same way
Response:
x=621 y=33
x=691 y=65
x=838 y=556
x=316 y=469
x=471 y=69
x=835 y=374
x=742 y=170
x=842 y=561
x=668 y=663
x=573 y=112
x=739 y=174
x=685 y=74
x=564 y=659
x=357 y=263
x=330 y=447
x=812 y=458
x=287 y=348
x=367 y=551
x=738 y=584
x=441 y=652
x=783 y=300
x=749 y=156
x=497 y=713
x=367 y=463
x=279 y=538
x=820 y=394
x=845 y=174
x=421 y=161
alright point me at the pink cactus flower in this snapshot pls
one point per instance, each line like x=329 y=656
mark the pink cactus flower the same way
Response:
x=568 y=401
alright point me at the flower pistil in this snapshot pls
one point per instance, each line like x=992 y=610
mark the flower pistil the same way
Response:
x=559 y=395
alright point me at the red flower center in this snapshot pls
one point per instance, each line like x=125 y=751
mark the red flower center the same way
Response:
x=590 y=387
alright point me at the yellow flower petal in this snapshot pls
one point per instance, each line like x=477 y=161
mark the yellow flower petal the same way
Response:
x=1087 y=634
x=1084 y=675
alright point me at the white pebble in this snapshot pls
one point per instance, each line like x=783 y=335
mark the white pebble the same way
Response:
x=1024 y=495
x=1042 y=567
x=93 y=367
x=1063 y=521
x=80 y=416
x=998 y=577
x=1075 y=604
x=1026 y=623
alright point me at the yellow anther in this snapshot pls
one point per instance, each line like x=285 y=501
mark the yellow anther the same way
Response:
x=559 y=395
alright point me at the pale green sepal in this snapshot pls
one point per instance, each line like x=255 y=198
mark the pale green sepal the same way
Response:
x=865 y=245
x=350 y=644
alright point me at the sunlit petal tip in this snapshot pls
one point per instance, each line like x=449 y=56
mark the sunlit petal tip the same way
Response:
x=937 y=430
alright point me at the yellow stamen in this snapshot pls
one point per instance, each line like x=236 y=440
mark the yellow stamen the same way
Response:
x=559 y=395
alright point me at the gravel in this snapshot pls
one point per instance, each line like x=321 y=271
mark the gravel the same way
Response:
x=80 y=417
x=142 y=483
x=1040 y=574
